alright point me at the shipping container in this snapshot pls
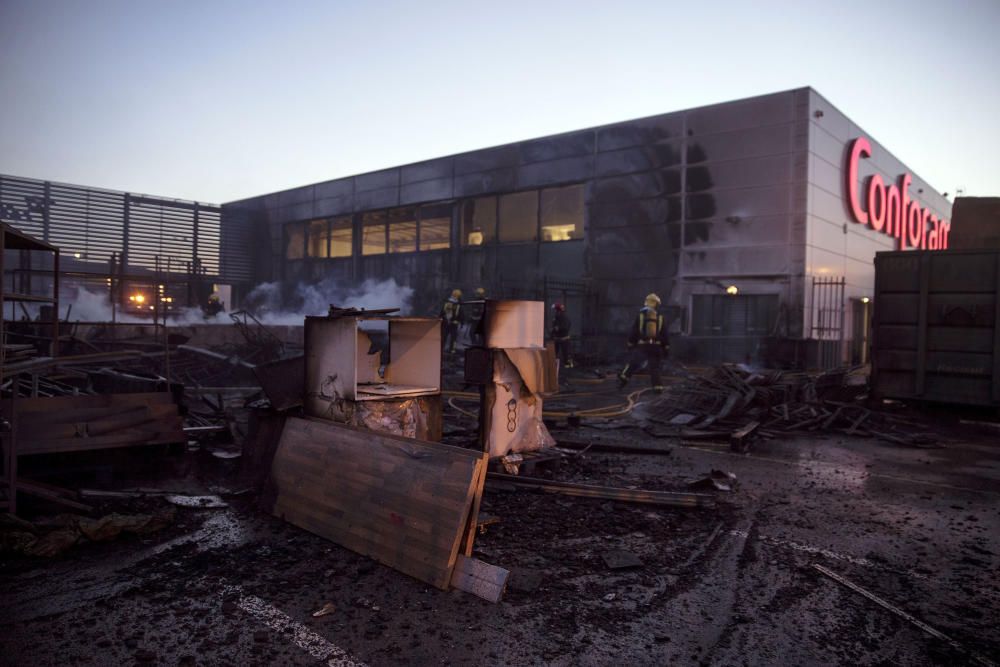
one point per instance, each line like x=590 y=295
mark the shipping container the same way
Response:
x=936 y=326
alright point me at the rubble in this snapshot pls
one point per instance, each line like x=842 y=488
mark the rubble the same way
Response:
x=736 y=404
x=615 y=521
x=50 y=537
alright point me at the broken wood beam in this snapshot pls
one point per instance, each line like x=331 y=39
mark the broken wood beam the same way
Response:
x=739 y=441
x=51 y=493
x=663 y=498
x=637 y=447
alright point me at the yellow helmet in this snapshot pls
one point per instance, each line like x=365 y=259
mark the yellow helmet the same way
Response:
x=456 y=293
x=652 y=301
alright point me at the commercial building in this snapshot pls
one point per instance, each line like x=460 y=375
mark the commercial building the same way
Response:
x=738 y=214
x=757 y=222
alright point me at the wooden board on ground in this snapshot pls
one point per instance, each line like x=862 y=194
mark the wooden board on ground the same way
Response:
x=487 y=581
x=81 y=423
x=404 y=502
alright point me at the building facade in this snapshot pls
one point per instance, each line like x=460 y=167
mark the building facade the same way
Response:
x=738 y=214
x=757 y=222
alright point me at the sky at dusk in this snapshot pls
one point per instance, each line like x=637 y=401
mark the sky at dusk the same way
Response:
x=218 y=100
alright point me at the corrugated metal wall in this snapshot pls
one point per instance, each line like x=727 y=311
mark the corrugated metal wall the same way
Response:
x=89 y=224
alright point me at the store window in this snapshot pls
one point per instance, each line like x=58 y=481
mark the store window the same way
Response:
x=341 y=237
x=562 y=213
x=402 y=230
x=435 y=226
x=295 y=240
x=736 y=315
x=519 y=217
x=373 y=237
x=479 y=221
x=319 y=239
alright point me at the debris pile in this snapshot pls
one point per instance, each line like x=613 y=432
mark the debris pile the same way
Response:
x=738 y=404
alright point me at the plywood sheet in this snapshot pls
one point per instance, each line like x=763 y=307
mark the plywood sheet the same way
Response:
x=404 y=502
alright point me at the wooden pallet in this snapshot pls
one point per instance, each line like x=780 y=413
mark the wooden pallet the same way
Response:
x=409 y=504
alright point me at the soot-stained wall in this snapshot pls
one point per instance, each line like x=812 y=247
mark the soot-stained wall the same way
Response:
x=744 y=195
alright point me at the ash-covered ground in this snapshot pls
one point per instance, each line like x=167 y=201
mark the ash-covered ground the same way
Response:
x=735 y=585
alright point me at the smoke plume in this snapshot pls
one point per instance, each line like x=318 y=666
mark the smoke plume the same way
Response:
x=269 y=302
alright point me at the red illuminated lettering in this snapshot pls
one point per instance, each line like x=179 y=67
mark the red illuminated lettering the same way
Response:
x=913 y=222
x=860 y=148
x=932 y=236
x=924 y=217
x=889 y=207
x=892 y=210
x=876 y=203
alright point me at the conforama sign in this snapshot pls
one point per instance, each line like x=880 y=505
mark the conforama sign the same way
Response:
x=889 y=209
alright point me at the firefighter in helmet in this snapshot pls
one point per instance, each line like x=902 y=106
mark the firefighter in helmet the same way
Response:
x=452 y=317
x=214 y=306
x=648 y=343
x=560 y=334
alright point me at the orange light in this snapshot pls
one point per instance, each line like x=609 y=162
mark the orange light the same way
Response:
x=139 y=298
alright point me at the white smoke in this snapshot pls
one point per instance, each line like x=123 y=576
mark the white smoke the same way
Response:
x=90 y=306
x=268 y=302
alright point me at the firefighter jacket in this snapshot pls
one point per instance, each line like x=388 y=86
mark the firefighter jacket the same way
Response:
x=451 y=312
x=649 y=327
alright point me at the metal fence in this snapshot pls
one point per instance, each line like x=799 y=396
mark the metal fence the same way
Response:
x=90 y=224
x=828 y=321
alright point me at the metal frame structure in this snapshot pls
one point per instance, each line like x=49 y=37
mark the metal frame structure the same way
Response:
x=12 y=239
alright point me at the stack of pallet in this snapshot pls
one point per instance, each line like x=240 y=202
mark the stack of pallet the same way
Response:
x=409 y=504
x=79 y=423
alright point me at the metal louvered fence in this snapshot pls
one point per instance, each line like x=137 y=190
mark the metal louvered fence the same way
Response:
x=90 y=224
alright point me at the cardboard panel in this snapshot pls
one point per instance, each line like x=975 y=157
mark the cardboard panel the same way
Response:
x=510 y=324
x=415 y=349
x=331 y=362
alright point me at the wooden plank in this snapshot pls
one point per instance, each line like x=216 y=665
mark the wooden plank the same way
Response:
x=404 y=502
x=739 y=440
x=59 y=403
x=159 y=433
x=46 y=492
x=424 y=446
x=472 y=575
x=666 y=498
x=472 y=524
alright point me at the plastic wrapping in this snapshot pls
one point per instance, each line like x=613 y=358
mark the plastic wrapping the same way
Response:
x=516 y=416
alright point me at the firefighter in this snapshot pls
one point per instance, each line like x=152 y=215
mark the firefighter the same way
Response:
x=560 y=334
x=476 y=312
x=214 y=306
x=647 y=342
x=452 y=318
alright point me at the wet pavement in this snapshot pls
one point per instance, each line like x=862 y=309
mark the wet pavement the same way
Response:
x=731 y=586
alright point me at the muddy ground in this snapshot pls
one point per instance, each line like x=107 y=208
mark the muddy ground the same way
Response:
x=920 y=528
